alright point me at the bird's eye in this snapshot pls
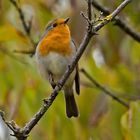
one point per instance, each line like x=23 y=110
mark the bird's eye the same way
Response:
x=55 y=24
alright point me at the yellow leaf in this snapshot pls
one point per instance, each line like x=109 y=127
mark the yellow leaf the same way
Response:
x=10 y=33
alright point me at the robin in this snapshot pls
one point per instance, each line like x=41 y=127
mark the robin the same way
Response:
x=54 y=53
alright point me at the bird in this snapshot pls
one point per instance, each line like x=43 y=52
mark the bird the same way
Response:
x=54 y=53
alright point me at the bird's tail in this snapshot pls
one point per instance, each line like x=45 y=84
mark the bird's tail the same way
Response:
x=71 y=107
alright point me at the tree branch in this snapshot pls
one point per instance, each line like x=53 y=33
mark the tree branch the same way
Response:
x=24 y=132
x=26 y=25
x=89 y=10
x=112 y=15
x=120 y=23
x=106 y=91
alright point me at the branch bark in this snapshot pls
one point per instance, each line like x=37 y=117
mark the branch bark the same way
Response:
x=101 y=87
x=120 y=23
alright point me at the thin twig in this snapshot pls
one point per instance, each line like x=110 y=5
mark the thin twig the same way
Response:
x=112 y=15
x=120 y=23
x=22 y=17
x=119 y=8
x=26 y=25
x=89 y=10
x=106 y=91
x=85 y=17
x=31 y=52
x=5 y=51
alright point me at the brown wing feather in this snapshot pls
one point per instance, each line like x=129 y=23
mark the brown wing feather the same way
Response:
x=77 y=81
x=77 y=77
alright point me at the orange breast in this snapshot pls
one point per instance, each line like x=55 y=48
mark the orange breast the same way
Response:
x=56 y=40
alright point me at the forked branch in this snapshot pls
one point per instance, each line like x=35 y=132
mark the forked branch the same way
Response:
x=118 y=22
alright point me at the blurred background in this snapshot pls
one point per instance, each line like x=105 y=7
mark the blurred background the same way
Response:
x=112 y=58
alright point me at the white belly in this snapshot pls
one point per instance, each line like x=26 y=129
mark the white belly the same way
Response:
x=54 y=63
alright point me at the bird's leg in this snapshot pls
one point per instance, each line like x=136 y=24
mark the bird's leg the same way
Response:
x=51 y=80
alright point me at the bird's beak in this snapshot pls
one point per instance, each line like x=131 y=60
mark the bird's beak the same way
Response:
x=66 y=20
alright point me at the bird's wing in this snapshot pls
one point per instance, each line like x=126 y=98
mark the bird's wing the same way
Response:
x=77 y=81
x=77 y=77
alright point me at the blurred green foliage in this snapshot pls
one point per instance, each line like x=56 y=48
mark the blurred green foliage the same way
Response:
x=112 y=58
